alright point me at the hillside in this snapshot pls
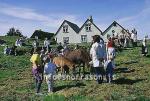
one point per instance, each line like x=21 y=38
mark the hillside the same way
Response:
x=132 y=80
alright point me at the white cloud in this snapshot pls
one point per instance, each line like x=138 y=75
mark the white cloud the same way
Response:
x=138 y=21
x=29 y=19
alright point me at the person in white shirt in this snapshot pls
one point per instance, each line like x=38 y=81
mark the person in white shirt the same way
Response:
x=18 y=43
x=46 y=43
x=97 y=59
x=144 y=47
x=134 y=37
x=49 y=72
x=126 y=43
x=35 y=44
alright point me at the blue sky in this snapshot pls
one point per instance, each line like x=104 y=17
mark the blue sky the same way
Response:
x=29 y=15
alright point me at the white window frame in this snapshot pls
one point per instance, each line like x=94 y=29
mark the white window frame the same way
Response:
x=66 y=40
x=65 y=29
x=83 y=38
x=88 y=27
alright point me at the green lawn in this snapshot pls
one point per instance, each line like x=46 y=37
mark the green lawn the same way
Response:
x=132 y=81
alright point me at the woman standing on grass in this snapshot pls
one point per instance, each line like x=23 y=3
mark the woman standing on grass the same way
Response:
x=110 y=47
x=37 y=69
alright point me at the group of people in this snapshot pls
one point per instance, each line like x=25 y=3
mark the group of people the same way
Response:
x=102 y=58
x=19 y=42
x=42 y=67
x=102 y=55
x=124 y=38
x=36 y=44
x=10 y=50
x=62 y=49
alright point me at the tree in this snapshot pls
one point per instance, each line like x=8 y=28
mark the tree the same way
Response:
x=18 y=33
x=11 y=32
x=14 y=32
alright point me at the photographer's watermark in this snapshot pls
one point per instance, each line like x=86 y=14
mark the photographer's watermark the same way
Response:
x=74 y=77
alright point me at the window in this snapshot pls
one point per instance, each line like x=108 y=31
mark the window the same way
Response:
x=88 y=27
x=83 y=38
x=66 y=39
x=65 y=29
x=36 y=37
x=108 y=36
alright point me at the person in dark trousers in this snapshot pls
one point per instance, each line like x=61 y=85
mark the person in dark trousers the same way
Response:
x=13 y=50
x=97 y=59
x=37 y=70
x=109 y=65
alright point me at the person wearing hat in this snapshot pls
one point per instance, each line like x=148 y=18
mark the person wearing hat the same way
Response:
x=49 y=72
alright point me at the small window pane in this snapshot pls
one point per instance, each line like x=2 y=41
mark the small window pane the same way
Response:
x=88 y=27
x=65 y=29
x=66 y=39
x=83 y=38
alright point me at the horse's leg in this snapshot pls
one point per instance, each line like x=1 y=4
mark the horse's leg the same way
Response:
x=73 y=72
x=84 y=68
x=79 y=67
x=61 y=70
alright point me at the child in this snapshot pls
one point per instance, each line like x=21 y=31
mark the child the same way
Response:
x=49 y=71
x=109 y=64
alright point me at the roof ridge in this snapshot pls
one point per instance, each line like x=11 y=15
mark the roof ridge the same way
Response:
x=111 y=25
x=91 y=22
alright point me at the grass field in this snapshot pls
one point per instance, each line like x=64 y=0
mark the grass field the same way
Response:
x=132 y=80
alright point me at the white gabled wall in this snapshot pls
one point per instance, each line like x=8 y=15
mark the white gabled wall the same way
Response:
x=94 y=31
x=116 y=28
x=73 y=37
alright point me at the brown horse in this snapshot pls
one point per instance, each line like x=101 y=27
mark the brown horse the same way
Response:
x=79 y=56
x=63 y=63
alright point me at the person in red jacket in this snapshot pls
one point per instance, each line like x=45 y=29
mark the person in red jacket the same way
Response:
x=110 y=48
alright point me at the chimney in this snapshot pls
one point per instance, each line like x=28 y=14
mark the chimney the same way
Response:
x=90 y=18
